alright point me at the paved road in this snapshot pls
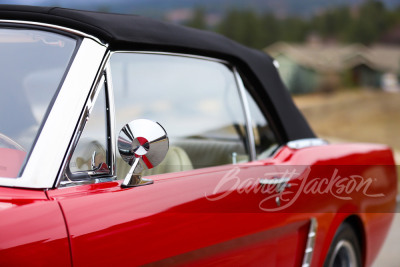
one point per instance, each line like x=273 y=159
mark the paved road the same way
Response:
x=390 y=253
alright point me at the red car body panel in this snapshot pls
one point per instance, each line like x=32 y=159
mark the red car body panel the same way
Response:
x=33 y=230
x=173 y=222
x=177 y=221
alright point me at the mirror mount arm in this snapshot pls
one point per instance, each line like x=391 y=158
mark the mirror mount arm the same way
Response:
x=132 y=179
x=136 y=181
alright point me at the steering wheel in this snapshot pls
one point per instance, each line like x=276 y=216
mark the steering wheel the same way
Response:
x=7 y=142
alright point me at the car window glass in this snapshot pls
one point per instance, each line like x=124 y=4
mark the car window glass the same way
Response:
x=90 y=155
x=264 y=137
x=32 y=66
x=195 y=100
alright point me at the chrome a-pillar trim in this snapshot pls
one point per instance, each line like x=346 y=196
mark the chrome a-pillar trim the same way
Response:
x=48 y=154
x=101 y=78
x=308 y=142
x=312 y=234
x=245 y=105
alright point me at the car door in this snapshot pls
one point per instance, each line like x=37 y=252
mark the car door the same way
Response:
x=215 y=197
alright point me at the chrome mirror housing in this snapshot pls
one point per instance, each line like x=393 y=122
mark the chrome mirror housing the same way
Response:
x=143 y=144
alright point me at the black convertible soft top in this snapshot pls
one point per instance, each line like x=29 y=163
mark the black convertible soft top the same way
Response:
x=139 y=33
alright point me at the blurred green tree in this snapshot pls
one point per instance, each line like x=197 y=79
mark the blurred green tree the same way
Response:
x=372 y=20
x=199 y=19
x=293 y=29
x=365 y=25
x=270 y=30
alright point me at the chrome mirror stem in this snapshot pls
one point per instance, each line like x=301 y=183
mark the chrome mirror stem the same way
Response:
x=129 y=176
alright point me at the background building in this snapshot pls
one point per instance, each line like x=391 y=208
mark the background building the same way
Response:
x=315 y=66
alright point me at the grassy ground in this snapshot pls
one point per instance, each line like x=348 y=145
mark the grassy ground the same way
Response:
x=356 y=115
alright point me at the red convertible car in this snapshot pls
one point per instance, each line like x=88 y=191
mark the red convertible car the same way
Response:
x=126 y=141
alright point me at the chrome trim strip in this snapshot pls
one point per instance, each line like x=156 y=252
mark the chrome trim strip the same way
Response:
x=81 y=125
x=85 y=35
x=308 y=142
x=111 y=120
x=55 y=138
x=93 y=93
x=173 y=54
x=276 y=64
x=245 y=106
x=312 y=235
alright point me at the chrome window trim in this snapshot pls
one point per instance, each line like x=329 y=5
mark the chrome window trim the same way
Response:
x=276 y=64
x=311 y=237
x=307 y=142
x=81 y=126
x=52 y=26
x=246 y=109
x=226 y=63
x=44 y=164
x=87 y=109
x=111 y=118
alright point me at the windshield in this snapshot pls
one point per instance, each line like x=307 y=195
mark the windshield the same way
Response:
x=32 y=66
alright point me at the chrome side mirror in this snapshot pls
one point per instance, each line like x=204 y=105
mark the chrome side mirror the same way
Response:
x=143 y=144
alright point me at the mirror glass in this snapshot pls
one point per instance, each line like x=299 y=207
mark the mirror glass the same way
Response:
x=143 y=140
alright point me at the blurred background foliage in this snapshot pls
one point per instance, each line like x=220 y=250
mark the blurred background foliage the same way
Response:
x=364 y=24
